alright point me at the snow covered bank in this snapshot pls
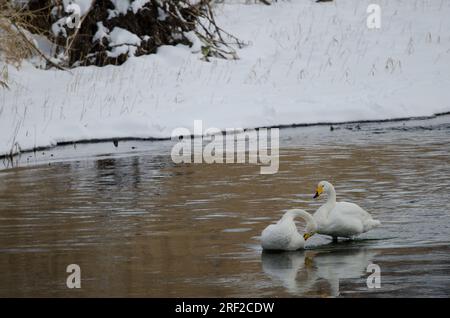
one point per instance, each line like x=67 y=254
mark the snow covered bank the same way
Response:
x=307 y=63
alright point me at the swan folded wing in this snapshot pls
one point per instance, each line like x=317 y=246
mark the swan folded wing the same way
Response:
x=355 y=218
x=351 y=210
x=275 y=237
x=343 y=226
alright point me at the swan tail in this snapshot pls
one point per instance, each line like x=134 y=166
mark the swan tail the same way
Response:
x=371 y=223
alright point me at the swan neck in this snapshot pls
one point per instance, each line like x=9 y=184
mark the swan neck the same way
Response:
x=331 y=194
x=291 y=214
x=331 y=201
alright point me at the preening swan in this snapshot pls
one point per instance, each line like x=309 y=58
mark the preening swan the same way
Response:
x=341 y=219
x=283 y=236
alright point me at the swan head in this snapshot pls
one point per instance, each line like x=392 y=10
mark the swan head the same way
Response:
x=307 y=235
x=322 y=187
x=310 y=230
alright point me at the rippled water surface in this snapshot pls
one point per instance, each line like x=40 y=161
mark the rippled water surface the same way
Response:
x=140 y=225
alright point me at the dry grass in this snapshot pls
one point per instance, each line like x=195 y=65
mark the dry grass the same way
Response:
x=14 y=47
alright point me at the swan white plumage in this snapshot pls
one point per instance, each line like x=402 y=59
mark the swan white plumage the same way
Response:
x=341 y=219
x=283 y=236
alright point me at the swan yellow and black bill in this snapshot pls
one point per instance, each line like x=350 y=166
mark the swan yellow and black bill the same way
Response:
x=319 y=191
x=306 y=236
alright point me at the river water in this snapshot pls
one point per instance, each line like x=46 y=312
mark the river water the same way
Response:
x=139 y=225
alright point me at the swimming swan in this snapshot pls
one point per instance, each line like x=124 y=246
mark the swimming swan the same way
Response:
x=341 y=219
x=283 y=236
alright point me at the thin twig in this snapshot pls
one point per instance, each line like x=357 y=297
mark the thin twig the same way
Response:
x=32 y=46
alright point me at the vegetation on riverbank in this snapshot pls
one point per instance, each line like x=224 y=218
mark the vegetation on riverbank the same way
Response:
x=106 y=32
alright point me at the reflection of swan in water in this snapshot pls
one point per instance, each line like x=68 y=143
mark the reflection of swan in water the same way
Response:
x=341 y=264
x=298 y=272
x=290 y=268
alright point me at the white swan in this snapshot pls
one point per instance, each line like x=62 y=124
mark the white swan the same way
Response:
x=341 y=219
x=283 y=236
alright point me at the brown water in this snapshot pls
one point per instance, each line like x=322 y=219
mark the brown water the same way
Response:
x=139 y=225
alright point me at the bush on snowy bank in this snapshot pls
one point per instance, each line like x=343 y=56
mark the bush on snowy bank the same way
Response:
x=101 y=32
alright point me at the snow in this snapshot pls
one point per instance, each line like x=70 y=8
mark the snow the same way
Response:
x=162 y=16
x=120 y=36
x=120 y=7
x=122 y=41
x=84 y=5
x=102 y=32
x=137 y=5
x=306 y=63
x=58 y=28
